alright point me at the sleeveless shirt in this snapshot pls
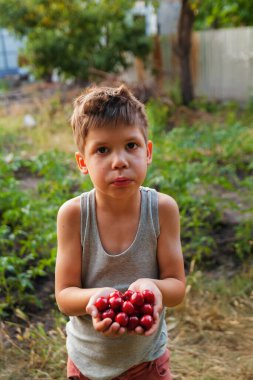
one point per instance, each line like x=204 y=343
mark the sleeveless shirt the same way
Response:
x=96 y=356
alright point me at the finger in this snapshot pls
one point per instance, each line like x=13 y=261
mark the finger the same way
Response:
x=156 y=316
x=103 y=325
x=122 y=330
x=115 y=327
x=153 y=328
x=150 y=331
x=91 y=302
x=92 y=310
x=116 y=332
x=134 y=287
x=113 y=330
x=139 y=330
x=157 y=311
x=104 y=292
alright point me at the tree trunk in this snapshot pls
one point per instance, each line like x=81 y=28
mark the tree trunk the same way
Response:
x=158 y=62
x=185 y=27
x=140 y=70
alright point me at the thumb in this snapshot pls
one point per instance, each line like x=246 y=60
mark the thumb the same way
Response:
x=156 y=315
x=91 y=309
x=134 y=287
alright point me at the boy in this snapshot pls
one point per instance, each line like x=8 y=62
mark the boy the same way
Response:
x=119 y=235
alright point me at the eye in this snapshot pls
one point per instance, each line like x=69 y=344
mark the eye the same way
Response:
x=102 y=150
x=131 y=145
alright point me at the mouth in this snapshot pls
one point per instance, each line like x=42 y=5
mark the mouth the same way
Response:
x=122 y=181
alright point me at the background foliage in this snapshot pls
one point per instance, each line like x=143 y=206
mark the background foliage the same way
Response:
x=207 y=168
x=73 y=36
x=222 y=13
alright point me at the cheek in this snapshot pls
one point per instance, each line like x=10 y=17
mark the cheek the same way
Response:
x=141 y=169
x=101 y=168
x=141 y=163
x=99 y=171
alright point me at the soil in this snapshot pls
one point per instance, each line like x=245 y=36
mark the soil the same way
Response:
x=211 y=333
x=210 y=336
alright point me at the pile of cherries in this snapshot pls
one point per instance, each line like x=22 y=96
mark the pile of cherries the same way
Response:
x=130 y=309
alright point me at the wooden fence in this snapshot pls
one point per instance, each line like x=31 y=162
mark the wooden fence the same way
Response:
x=222 y=63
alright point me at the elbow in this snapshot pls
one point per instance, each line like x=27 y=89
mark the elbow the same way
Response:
x=65 y=310
x=62 y=309
x=182 y=291
x=176 y=293
x=61 y=304
x=68 y=303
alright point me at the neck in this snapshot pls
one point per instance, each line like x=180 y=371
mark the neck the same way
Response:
x=118 y=206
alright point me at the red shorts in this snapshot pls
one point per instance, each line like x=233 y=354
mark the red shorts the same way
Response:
x=154 y=370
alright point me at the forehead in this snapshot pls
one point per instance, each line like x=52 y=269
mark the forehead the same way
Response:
x=115 y=133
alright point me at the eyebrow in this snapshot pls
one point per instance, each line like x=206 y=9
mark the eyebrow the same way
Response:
x=129 y=138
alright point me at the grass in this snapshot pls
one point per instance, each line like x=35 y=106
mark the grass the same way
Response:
x=210 y=334
x=207 y=168
x=36 y=352
x=51 y=131
x=205 y=162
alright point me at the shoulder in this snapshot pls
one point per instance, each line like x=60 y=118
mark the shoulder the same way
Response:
x=168 y=208
x=70 y=211
x=166 y=201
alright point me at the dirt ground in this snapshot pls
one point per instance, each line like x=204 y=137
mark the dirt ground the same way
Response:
x=211 y=336
x=211 y=333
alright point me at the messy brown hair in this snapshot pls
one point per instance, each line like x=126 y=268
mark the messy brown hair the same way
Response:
x=106 y=107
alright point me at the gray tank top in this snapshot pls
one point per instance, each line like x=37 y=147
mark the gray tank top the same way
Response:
x=96 y=356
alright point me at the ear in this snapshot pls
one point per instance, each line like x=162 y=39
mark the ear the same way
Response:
x=81 y=163
x=149 y=151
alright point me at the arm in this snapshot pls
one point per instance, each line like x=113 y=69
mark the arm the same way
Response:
x=169 y=289
x=71 y=298
x=169 y=252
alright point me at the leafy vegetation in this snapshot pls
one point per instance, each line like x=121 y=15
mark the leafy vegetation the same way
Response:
x=205 y=162
x=207 y=168
x=73 y=36
x=27 y=232
x=220 y=14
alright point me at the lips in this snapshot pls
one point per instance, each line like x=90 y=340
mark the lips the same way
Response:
x=122 y=181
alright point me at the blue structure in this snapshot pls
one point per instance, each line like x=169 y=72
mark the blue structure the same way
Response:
x=9 y=47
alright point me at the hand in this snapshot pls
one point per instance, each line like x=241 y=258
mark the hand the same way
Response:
x=105 y=326
x=143 y=284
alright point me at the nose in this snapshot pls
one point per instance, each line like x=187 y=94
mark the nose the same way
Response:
x=119 y=161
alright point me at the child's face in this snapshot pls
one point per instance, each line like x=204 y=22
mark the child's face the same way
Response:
x=116 y=159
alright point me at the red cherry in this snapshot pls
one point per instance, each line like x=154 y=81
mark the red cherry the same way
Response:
x=146 y=322
x=122 y=319
x=137 y=311
x=133 y=322
x=137 y=299
x=128 y=307
x=147 y=309
x=116 y=302
x=127 y=295
x=116 y=293
x=109 y=313
x=102 y=303
x=149 y=296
